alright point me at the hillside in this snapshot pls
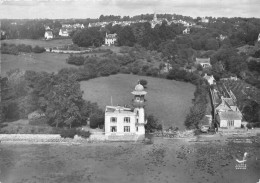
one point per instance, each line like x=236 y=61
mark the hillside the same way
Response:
x=167 y=100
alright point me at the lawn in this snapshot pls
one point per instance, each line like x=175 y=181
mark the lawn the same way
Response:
x=173 y=161
x=49 y=62
x=167 y=100
x=42 y=43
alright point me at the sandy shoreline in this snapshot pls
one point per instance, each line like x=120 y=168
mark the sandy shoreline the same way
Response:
x=124 y=162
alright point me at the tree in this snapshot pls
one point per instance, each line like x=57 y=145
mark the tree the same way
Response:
x=143 y=82
x=96 y=120
x=152 y=124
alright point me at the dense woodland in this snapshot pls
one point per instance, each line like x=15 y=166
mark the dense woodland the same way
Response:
x=144 y=51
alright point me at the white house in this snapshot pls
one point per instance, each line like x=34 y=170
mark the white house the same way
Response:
x=120 y=121
x=211 y=80
x=110 y=39
x=48 y=35
x=186 y=31
x=204 y=20
x=204 y=62
x=64 y=32
x=229 y=119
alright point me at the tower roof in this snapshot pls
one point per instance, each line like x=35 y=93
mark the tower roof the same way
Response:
x=139 y=90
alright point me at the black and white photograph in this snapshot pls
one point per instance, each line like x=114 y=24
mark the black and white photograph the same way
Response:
x=129 y=91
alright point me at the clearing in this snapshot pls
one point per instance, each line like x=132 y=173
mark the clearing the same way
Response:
x=42 y=43
x=167 y=100
x=49 y=62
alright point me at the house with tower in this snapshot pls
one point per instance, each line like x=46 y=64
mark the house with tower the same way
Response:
x=123 y=122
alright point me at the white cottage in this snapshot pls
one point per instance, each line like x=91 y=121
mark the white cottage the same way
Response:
x=204 y=62
x=126 y=121
x=211 y=80
x=110 y=39
x=229 y=119
x=48 y=35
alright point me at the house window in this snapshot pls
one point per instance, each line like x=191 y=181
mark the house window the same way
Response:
x=231 y=123
x=137 y=113
x=126 y=119
x=113 y=120
x=126 y=128
x=113 y=129
x=136 y=120
x=137 y=128
x=137 y=98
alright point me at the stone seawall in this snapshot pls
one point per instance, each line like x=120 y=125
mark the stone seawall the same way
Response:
x=56 y=138
x=39 y=138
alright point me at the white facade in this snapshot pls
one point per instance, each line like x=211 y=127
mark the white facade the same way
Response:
x=110 y=39
x=186 y=31
x=48 y=35
x=64 y=33
x=126 y=121
x=211 y=80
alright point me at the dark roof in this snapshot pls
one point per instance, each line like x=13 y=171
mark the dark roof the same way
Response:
x=230 y=115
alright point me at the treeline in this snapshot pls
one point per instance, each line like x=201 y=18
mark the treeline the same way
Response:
x=58 y=96
x=16 y=49
x=200 y=102
x=140 y=33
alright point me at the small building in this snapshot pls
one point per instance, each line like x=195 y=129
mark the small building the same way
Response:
x=204 y=62
x=64 y=32
x=222 y=37
x=211 y=80
x=204 y=20
x=229 y=119
x=48 y=35
x=121 y=121
x=186 y=31
x=110 y=39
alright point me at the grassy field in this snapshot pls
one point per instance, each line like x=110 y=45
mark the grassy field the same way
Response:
x=42 y=43
x=172 y=161
x=49 y=62
x=168 y=100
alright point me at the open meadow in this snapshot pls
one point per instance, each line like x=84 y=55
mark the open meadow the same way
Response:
x=49 y=62
x=172 y=161
x=167 y=100
x=41 y=43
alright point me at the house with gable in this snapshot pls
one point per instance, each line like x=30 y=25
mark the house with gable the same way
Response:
x=110 y=39
x=211 y=80
x=64 y=32
x=48 y=35
x=226 y=112
x=204 y=62
x=186 y=31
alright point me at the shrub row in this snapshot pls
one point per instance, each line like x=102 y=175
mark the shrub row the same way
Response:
x=16 y=49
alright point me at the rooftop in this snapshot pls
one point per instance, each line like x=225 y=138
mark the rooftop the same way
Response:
x=203 y=60
x=230 y=115
x=119 y=109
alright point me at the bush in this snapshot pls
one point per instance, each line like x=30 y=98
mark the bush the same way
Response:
x=143 y=82
x=152 y=124
x=96 y=120
x=68 y=133
x=38 y=49
x=83 y=134
x=75 y=60
x=38 y=121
